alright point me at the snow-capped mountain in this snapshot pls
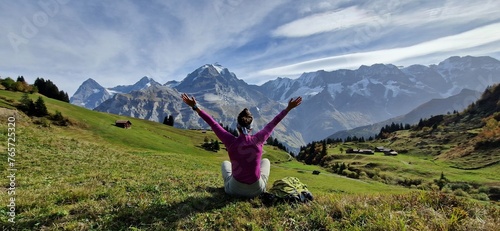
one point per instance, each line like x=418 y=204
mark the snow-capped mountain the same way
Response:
x=91 y=94
x=143 y=83
x=151 y=103
x=216 y=85
x=333 y=101
x=172 y=83
x=345 y=99
x=216 y=89
x=455 y=103
x=224 y=96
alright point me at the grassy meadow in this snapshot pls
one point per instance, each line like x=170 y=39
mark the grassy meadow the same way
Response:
x=92 y=175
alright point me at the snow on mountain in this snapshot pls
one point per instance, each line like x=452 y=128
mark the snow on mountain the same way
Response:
x=468 y=72
x=172 y=83
x=381 y=91
x=333 y=100
x=90 y=93
x=143 y=83
x=451 y=104
x=152 y=103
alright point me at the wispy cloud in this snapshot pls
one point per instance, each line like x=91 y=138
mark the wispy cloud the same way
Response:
x=486 y=39
x=324 y=22
x=117 y=42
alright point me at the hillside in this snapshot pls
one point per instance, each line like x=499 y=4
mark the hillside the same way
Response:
x=469 y=139
x=92 y=175
x=463 y=147
x=451 y=104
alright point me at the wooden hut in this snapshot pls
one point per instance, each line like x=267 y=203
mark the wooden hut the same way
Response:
x=123 y=123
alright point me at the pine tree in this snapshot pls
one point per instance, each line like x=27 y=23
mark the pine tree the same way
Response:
x=216 y=146
x=324 y=151
x=312 y=153
x=27 y=105
x=170 y=120
x=40 y=108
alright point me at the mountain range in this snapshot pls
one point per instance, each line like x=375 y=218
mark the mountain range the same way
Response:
x=333 y=100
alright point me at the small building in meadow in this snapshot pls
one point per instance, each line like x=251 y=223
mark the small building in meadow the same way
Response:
x=360 y=151
x=123 y=123
x=390 y=153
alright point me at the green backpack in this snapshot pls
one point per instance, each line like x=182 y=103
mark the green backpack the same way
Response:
x=288 y=189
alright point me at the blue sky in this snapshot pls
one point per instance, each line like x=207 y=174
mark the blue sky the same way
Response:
x=118 y=42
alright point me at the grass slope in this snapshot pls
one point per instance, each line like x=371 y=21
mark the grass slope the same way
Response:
x=95 y=176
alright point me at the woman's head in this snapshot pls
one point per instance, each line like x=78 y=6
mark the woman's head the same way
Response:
x=245 y=119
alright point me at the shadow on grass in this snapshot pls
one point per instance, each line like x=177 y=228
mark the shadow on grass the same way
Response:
x=167 y=215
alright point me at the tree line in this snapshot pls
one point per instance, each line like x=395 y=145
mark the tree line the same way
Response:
x=393 y=127
x=313 y=153
x=44 y=87
x=39 y=109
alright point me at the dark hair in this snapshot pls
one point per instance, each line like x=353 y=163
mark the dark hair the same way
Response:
x=245 y=118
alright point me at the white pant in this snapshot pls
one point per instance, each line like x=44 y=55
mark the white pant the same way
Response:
x=236 y=188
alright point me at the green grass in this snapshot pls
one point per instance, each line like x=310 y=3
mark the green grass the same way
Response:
x=412 y=165
x=95 y=176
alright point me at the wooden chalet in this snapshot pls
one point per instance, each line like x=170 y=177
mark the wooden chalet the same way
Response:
x=390 y=153
x=360 y=151
x=123 y=123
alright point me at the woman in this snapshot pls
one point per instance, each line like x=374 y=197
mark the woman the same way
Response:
x=245 y=174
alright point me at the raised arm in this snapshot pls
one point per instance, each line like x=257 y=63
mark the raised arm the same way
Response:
x=293 y=103
x=190 y=101
x=223 y=135
x=263 y=134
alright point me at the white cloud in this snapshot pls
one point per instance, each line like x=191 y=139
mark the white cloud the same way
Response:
x=117 y=43
x=478 y=37
x=324 y=22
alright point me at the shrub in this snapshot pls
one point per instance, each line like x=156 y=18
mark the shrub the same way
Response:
x=387 y=179
x=484 y=189
x=460 y=185
x=345 y=172
x=43 y=122
x=353 y=175
x=434 y=187
x=480 y=196
x=428 y=186
x=409 y=182
x=460 y=192
x=363 y=175
x=446 y=189
x=59 y=119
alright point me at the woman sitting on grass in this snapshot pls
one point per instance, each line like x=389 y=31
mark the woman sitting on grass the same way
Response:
x=245 y=174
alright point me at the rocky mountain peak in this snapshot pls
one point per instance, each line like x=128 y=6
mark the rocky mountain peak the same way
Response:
x=91 y=83
x=461 y=63
x=333 y=100
x=144 y=82
x=210 y=77
x=90 y=94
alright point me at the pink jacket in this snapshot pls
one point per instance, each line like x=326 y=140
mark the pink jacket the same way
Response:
x=245 y=151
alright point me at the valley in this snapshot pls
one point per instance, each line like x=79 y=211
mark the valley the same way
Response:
x=94 y=175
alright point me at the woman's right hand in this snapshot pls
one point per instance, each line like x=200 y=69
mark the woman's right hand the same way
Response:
x=189 y=101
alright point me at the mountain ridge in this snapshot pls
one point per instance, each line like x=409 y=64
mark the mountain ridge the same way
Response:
x=364 y=96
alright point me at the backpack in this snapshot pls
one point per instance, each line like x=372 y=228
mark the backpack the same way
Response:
x=288 y=189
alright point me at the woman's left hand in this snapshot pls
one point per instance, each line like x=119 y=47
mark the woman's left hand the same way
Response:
x=189 y=101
